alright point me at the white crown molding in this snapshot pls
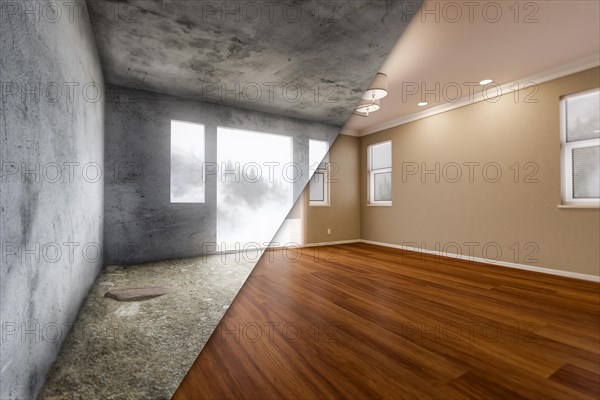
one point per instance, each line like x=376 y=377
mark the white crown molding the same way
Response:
x=542 y=270
x=350 y=132
x=581 y=64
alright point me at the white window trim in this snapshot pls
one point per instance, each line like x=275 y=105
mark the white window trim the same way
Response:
x=371 y=176
x=321 y=168
x=566 y=162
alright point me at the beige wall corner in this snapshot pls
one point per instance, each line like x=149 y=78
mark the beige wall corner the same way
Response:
x=343 y=215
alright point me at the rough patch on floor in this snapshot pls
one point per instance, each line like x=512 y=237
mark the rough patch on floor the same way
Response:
x=143 y=349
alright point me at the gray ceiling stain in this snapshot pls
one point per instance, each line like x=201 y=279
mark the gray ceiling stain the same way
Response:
x=304 y=59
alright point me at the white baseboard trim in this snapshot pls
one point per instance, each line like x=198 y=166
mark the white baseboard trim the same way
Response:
x=550 y=271
x=332 y=243
x=541 y=270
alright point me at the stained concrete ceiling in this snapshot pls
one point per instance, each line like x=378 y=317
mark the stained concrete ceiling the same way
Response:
x=306 y=59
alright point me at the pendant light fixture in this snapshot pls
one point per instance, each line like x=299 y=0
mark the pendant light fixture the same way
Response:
x=378 y=88
x=368 y=106
x=370 y=99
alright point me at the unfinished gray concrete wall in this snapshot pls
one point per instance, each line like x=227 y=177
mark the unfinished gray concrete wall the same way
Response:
x=51 y=137
x=141 y=224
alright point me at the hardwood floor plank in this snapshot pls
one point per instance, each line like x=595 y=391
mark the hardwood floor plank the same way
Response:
x=473 y=386
x=363 y=321
x=579 y=379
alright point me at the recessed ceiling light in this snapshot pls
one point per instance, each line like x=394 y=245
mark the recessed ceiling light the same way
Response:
x=422 y=104
x=485 y=82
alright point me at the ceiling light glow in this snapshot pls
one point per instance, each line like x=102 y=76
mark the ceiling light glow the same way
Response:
x=422 y=104
x=485 y=82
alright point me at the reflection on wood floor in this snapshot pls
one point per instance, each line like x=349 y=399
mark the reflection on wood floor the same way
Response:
x=363 y=321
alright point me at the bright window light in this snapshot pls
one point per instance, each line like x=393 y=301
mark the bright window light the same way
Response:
x=254 y=186
x=187 y=162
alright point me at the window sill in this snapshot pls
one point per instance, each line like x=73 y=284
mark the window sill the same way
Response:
x=379 y=205
x=319 y=205
x=580 y=206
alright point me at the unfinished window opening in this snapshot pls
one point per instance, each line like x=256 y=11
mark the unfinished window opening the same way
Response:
x=254 y=187
x=187 y=162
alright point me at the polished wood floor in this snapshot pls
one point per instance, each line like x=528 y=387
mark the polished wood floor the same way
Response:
x=363 y=321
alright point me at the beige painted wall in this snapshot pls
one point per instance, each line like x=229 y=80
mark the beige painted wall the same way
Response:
x=343 y=215
x=520 y=219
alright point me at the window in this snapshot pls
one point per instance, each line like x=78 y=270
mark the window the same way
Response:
x=187 y=162
x=318 y=165
x=380 y=173
x=580 y=140
x=254 y=187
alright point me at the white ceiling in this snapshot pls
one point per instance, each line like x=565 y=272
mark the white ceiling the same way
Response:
x=550 y=35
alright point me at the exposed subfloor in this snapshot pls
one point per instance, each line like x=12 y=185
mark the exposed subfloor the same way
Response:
x=143 y=349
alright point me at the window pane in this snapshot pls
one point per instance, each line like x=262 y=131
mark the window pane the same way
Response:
x=586 y=172
x=317 y=187
x=317 y=150
x=383 y=186
x=254 y=193
x=583 y=117
x=187 y=162
x=381 y=155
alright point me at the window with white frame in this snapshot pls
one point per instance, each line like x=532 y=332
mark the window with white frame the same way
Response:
x=187 y=162
x=580 y=142
x=318 y=165
x=380 y=173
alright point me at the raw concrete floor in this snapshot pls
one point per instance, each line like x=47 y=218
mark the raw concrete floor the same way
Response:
x=143 y=349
